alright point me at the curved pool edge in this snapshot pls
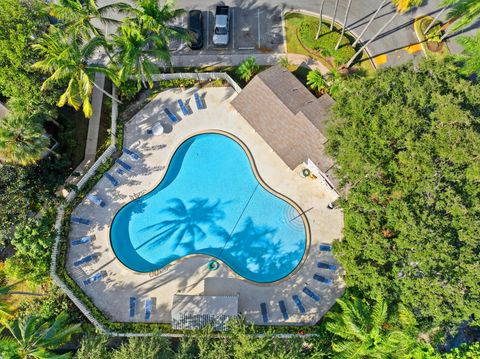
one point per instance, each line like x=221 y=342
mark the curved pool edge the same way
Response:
x=262 y=183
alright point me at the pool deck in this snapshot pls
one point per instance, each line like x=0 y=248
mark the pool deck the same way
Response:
x=190 y=275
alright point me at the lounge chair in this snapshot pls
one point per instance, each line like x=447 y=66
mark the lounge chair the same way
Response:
x=170 y=115
x=326 y=266
x=95 y=278
x=325 y=247
x=112 y=179
x=283 y=309
x=81 y=220
x=133 y=155
x=148 y=308
x=311 y=294
x=96 y=200
x=83 y=240
x=124 y=165
x=183 y=108
x=263 y=308
x=322 y=279
x=83 y=261
x=120 y=171
x=133 y=302
x=299 y=303
x=198 y=101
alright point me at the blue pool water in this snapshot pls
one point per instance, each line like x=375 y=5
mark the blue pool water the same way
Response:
x=210 y=202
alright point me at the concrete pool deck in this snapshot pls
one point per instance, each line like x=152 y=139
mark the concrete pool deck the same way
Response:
x=191 y=275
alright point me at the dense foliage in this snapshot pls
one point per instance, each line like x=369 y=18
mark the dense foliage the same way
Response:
x=408 y=141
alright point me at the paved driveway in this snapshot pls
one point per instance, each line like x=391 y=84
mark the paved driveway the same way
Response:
x=257 y=27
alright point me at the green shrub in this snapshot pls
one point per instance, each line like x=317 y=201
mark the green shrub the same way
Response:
x=165 y=84
x=325 y=44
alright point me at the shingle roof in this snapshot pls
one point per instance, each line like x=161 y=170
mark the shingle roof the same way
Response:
x=288 y=117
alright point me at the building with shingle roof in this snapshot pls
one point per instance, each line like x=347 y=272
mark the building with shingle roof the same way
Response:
x=289 y=118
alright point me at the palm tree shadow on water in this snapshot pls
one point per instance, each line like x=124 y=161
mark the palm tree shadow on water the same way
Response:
x=186 y=223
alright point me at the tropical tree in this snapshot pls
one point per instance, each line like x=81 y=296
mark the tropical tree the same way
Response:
x=373 y=17
x=334 y=15
x=284 y=62
x=402 y=6
x=34 y=338
x=155 y=19
x=364 y=330
x=149 y=347
x=93 y=346
x=345 y=20
x=134 y=57
x=67 y=59
x=78 y=16
x=248 y=68
x=22 y=139
x=316 y=81
x=320 y=19
x=471 y=54
x=461 y=14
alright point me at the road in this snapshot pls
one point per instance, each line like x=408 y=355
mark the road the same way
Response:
x=257 y=27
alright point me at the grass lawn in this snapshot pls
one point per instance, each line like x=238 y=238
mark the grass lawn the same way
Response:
x=430 y=48
x=300 y=32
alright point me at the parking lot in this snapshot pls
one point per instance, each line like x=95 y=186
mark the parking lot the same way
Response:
x=252 y=29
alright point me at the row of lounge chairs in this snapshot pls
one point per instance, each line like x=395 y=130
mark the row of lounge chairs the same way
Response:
x=306 y=290
x=186 y=110
x=148 y=307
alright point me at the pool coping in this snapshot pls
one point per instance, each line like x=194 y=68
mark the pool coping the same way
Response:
x=261 y=182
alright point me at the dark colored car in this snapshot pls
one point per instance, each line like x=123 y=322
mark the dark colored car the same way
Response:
x=195 y=25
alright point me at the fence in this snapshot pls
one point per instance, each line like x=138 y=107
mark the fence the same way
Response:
x=73 y=194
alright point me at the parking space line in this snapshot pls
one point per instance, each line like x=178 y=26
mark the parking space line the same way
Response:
x=233 y=29
x=208 y=28
x=258 y=21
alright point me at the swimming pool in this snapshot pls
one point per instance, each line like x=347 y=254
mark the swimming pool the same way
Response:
x=210 y=202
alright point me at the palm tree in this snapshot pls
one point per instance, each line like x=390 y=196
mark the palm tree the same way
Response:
x=134 y=56
x=362 y=330
x=22 y=140
x=154 y=19
x=33 y=337
x=77 y=15
x=373 y=17
x=334 y=15
x=67 y=59
x=344 y=25
x=402 y=6
x=316 y=81
x=320 y=20
x=462 y=13
x=471 y=54
x=248 y=68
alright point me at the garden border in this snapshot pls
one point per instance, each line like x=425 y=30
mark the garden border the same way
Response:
x=64 y=209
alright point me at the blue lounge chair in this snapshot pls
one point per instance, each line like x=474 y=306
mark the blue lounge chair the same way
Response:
x=80 y=220
x=170 y=115
x=183 y=108
x=326 y=266
x=311 y=294
x=148 y=308
x=93 y=279
x=112 y=179
x=83 y=261
x=263 y=308
x=96 y=200
x=299 y=303
x=133 y=155
x=124 y=165
x=83 y=240
x=321 y=279
x=325 y=247
x=133 y=302
x=198 y=101
x=283 y=309
x=120 y=171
